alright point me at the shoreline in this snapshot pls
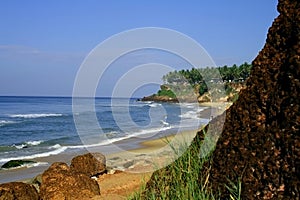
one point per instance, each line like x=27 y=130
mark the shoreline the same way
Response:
x=123 y=160
x=129 y=166
x=135 y=145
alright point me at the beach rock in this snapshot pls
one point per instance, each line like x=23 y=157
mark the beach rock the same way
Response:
x=91 y=164
x=60 y=182
x=259 y=146
x=16 y=163
x=18 y=191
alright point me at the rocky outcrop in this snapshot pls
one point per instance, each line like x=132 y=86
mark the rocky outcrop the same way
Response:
x=18 y=191
x=260 y=142
x=60 y=182
x=157 y=98
x=91 y=164
x=16 y=163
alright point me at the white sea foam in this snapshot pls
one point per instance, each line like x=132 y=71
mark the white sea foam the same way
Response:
x=38 y=164
x=147 y=102
x=164 y=123
x=36 y=115
x=201 y=109
x=5 y=122
x=28 y=144
x=190 y=115
x=154 y=105
x=56 y=146
x=152 y=130
x=130 y=135
x=21 y=146
x=34 y=143
x=39 y=155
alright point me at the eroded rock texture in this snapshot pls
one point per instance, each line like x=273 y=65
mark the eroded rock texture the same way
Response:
x=59 y=183
x=260 y=143
x=91 y=164
x=18 y=191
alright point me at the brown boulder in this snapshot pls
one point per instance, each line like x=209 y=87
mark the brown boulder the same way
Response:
x=91 y=164
x=60 y=182
x=18 y=190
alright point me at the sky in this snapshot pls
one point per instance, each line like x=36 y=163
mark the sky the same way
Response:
x=44 y=43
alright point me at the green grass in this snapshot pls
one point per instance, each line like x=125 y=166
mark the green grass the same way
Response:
x=181 y=179
x=167 y=93
x=235 y=189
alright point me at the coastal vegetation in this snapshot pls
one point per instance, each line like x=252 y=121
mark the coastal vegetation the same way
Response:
x=183 y=178
x=203 y=84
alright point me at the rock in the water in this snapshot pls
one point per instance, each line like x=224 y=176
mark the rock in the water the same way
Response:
x=91 y=164
x=16 y=163
x=156 y=98
x=60 y=182
x=18 y=191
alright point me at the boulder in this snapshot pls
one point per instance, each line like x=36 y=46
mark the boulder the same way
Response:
x=60 y=182
x=91 y=164
x=18 y=190
x=16 y=163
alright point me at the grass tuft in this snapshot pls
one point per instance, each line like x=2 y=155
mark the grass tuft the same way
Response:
x=182 y=179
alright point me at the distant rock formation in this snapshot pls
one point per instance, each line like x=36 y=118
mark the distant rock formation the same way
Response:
x=156 y=98
x=60 y=182
x=91 y=164
x=260 y=141
x=18 y=191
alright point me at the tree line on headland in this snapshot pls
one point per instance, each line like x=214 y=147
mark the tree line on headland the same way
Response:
x=202 y=82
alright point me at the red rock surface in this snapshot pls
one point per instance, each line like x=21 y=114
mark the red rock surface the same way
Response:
x=260 y=143
x=90 y=164
x=59 y=182
x=18 y=191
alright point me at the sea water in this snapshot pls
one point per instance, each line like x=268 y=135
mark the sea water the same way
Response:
x=35 y=127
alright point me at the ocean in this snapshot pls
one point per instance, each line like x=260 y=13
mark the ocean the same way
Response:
x=36 y=127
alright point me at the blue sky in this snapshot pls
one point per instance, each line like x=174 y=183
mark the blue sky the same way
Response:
x=43 y=43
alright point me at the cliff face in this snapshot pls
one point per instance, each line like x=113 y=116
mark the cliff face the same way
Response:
x=260 y=142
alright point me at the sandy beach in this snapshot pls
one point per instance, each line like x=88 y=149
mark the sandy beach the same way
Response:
x=128 y=170
x=129 y=165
